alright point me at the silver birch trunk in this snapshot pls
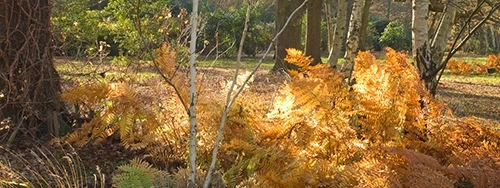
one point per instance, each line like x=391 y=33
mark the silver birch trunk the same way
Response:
x=438 y=45
x=493 y=37
x=419 y=24
x=329 y=22
x=339 y=33
x=192 y=97
x=352 y=44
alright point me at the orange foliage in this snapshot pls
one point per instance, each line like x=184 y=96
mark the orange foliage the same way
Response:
x=461 y=67
x=493 y=61
x=383 y=131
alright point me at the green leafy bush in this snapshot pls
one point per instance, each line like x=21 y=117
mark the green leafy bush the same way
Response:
x=79 y=26
x=225 y=26
x=375 y=29
x=394 y=36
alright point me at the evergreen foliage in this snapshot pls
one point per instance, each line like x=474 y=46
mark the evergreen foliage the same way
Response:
x=394 y=36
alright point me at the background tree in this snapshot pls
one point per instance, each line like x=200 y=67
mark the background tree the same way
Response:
x=339 y=33
x=29 y=84
x=291 y=36
x=313 y=38
x=429 y=69
x=363 y=36
x=419 y=27
x=352 y=44
x=443 y=32
x=329 y=22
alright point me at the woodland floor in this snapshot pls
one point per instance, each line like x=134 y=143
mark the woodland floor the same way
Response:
x=471 y=99
x=465 y=97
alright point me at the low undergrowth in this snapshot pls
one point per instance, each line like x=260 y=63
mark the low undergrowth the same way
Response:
x=308 y=131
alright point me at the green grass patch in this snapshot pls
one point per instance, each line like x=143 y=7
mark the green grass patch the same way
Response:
x=69 y=67
x=483 y=78
x=481 y=60
x=230 y=63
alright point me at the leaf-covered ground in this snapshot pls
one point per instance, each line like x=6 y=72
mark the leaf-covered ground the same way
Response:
x=471 y=97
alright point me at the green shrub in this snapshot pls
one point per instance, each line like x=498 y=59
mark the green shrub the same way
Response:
x=375 y=30
x=394 y=36
x=225 y=26
x=140 y=174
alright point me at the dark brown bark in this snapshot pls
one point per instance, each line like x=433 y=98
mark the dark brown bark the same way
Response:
x=29 y=84
x=313 y=42
x=425 y=65
x=291 y=36
x=364 y=25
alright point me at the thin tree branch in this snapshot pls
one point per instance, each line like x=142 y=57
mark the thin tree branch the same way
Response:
x=230 y=101
x=455 y=49
x=155 y=63
x=208 y=178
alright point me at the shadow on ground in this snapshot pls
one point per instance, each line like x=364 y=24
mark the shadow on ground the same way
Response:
x=472 y=99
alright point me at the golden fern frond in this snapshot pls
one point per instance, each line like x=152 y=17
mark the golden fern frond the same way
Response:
x=90 y=94
x=297 y=58
x=167 y=61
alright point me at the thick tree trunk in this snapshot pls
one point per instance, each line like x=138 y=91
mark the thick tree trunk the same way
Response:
x=291 y=36
x=438 y=45
x=426 y=65
x=419 y=24
x=364 y=24
x=339 y=34
x=29 y=84
x=313 y=38
x=352 y=44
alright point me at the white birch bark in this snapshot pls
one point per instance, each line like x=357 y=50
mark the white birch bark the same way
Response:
x=329 y=22
x=419 y=24
x=192 y=98
x=339 y=33
x=493 y=37
x=352 y=44
x=438 y=45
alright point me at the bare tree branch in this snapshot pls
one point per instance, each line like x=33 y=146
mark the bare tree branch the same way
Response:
x=230 y=101
x=455 y=48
